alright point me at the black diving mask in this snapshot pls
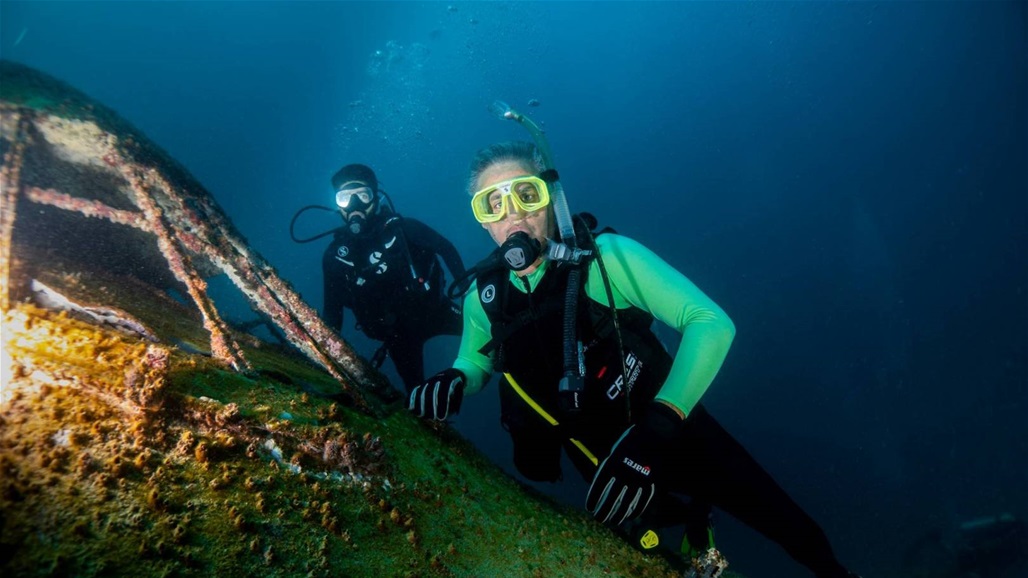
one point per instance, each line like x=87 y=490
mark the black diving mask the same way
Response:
x=356 y=202
x=349 y=197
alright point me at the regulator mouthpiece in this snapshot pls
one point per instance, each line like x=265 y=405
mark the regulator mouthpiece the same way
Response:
x=519 y=251
x=356 y=223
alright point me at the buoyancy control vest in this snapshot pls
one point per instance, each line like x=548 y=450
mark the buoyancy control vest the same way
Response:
x=384 y=278
x=527 y=334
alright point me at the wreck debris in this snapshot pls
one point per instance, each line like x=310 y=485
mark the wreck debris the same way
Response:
x=9 y=176
x=48 y=298
x=79 y=180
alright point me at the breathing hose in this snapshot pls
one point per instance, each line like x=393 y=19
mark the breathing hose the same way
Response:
x=572 y=384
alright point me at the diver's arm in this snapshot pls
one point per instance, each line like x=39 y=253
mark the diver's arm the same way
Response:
x=477 y=368
x=425 y=236
x=639 y=277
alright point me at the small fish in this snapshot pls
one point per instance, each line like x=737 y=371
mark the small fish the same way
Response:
x=20 y=37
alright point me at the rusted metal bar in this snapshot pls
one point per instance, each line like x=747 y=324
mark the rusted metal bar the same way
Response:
x=223 y=347
x=10 y=189
x=268 y=293
x=86 y=207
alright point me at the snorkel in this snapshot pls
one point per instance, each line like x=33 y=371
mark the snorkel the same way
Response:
x=557 y=199
x=572 y=384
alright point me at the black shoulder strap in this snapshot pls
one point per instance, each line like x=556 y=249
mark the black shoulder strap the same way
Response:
x=504 y=323
x=417 y=278
x=503 y=327
x=587 y=223
x=492 y=289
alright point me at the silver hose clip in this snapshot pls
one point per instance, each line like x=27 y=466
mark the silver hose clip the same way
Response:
x=556 y=251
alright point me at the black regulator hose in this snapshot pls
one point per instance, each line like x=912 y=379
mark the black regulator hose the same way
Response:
x=572 y=384
x=292 y=225
x=588 y=223
x=460 y=285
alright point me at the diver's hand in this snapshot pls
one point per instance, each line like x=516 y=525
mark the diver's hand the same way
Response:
x=628 y=479
x=440 y=396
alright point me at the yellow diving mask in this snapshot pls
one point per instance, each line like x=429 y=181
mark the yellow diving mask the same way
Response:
x=526 y=194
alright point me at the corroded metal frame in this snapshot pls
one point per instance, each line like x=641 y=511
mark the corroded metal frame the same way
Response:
x=190 y=229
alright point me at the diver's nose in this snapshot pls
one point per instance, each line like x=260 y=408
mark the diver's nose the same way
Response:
x=515 y=212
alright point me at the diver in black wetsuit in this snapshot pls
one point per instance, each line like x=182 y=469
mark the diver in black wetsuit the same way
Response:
x=385 y=268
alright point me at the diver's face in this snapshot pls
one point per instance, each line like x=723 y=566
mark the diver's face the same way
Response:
x=538 y=224
x=355 y=198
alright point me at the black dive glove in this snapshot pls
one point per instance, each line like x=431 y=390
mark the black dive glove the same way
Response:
x=440 y=396
x=628 y=479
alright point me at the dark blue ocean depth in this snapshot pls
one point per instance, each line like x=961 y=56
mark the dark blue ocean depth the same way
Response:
x=847 y=180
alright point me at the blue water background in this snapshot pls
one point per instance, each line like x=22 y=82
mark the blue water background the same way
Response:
x=848 y=180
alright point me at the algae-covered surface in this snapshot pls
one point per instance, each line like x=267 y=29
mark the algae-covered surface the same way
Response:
x=129 y=446
x=122 y=456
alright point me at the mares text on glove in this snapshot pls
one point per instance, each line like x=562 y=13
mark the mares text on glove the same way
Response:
x=629 y=478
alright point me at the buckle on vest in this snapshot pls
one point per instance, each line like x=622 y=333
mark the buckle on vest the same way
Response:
x=569 y=393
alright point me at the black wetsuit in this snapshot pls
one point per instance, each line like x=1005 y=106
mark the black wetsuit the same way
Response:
x=709 y=465
x=390 y=277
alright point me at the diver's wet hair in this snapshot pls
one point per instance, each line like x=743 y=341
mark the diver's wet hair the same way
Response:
x=521 y=152
x=355 y=172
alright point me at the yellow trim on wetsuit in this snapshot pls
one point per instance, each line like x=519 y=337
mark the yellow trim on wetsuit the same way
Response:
x=539 y=410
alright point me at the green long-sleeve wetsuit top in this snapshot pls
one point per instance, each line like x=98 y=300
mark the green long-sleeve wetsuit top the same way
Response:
x=637 y=277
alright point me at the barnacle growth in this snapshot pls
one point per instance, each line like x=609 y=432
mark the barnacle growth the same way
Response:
x=141 y=435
